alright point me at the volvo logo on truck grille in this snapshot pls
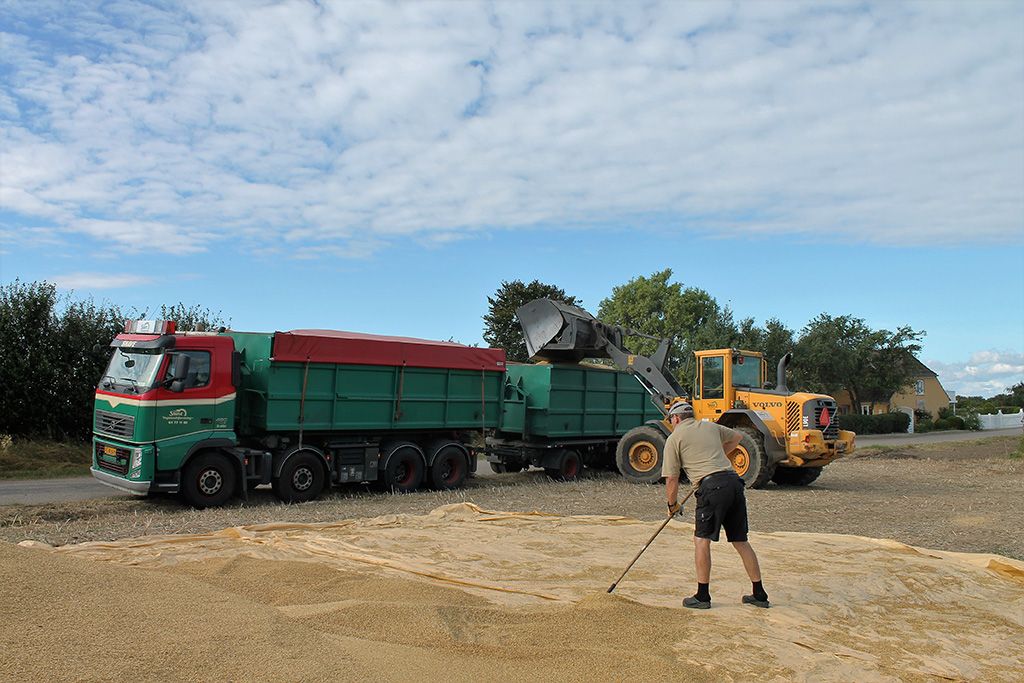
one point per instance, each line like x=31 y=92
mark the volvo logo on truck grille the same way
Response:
x=115 y=424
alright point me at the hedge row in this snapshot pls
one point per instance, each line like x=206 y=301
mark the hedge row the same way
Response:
x=951 y=422
x=886 y=423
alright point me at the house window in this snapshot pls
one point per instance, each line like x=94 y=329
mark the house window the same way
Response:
x=919 y=387
x=920 y=405
x=865 y=408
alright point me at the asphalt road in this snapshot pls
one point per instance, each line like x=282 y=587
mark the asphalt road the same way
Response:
x=40 y=491
x=65 y=489
x=37 y=491
x=931 y=437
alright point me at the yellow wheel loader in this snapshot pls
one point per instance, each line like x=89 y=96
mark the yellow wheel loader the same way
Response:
x=788 y=436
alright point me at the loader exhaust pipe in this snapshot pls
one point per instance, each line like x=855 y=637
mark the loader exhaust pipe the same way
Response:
x=780 y=372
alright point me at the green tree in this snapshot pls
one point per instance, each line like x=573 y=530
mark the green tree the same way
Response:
x=774 y=340
x=688 y=316
x=48 y=367
x=843 y=352
x=501 y=329
x=193 y=318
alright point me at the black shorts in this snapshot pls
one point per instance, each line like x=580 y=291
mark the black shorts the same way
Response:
x=720 y=502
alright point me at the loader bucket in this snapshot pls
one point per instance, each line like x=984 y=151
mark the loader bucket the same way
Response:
x=559 y=332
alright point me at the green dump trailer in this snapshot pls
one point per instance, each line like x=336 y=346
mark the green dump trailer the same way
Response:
x=564 y=416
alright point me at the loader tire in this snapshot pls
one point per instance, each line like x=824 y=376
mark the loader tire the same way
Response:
x=640 y=454
x=796 y=476
x=750 y=459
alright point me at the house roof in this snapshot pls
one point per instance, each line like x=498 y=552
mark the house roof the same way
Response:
x=919 y=369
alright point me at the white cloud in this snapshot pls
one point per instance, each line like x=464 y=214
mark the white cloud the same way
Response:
x=355 y=124
x=91 y=281
x=984 y=373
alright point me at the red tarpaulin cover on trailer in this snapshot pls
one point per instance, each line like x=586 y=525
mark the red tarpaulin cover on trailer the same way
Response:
x=331 y=346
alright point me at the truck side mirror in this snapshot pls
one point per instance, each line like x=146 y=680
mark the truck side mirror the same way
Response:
x=181 y=366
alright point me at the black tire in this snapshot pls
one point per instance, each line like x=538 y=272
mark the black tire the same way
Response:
x=569 y=467
x=301 y=480
x=750 y=459
x=208 y=480
x=449 y=469
x=640 y=453
x=795 y=476
x=404 y=470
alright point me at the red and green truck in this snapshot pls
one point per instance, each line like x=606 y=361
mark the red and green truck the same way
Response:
x=212 y=415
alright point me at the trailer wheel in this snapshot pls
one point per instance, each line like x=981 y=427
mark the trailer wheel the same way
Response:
x=569 y=467
x=750 y=460
x=795 y=476
x=208 y=480
x=449 y=469
x=404 y=471
x=301 y=479
x=640 y=454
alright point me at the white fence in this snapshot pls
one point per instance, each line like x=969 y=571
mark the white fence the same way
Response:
x=1001 y=421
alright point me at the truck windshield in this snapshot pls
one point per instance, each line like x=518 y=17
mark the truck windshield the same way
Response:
x=746 y=371
x=132 y=370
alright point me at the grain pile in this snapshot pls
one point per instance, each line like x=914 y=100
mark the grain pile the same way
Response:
x=467 y=594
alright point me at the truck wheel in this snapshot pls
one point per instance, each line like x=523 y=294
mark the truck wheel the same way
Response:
x=449 y=469
x=750 y=460
x=404 y=471
x=208 y=480
x=640 y=453
x=795 y=476
x=301 y=479
x=569 y=467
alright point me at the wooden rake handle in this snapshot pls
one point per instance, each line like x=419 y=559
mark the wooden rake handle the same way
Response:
x=649 y=542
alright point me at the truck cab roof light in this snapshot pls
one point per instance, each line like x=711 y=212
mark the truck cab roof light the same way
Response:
x=150 y=326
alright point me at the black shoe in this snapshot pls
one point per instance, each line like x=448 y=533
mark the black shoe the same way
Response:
x=751 y=600
x=693 y=603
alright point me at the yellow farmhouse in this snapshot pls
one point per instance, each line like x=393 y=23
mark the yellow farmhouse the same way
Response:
x=924 y=392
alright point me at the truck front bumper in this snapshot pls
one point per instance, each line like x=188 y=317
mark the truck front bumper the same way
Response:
x=136 y=488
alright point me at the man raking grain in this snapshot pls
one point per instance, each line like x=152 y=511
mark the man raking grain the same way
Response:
x=699 y=449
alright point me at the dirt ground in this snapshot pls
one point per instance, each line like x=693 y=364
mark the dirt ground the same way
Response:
x=953 y=496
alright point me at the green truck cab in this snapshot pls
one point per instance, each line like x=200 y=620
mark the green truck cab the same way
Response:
x=213 y=415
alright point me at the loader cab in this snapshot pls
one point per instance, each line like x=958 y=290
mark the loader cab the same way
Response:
x=720 y=374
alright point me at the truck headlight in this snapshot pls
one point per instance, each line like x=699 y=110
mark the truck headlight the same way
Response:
x=136 y=458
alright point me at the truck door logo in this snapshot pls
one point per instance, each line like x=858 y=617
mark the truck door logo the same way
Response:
x=178 y=416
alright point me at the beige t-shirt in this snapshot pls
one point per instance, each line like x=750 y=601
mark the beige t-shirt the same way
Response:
x=695 y=447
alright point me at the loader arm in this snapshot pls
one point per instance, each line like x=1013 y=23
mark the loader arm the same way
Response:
x=559 y=332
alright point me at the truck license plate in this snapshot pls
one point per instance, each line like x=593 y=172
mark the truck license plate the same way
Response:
x=109 y=450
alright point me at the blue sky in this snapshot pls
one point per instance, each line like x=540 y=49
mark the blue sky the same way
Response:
x=382 y=167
